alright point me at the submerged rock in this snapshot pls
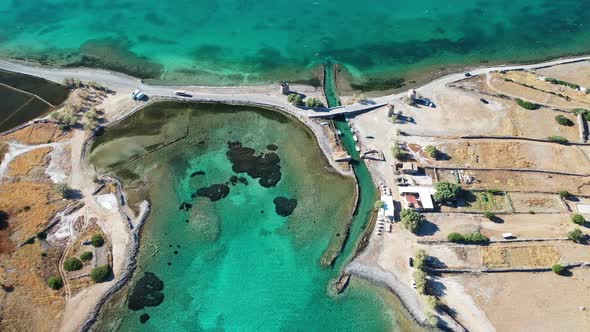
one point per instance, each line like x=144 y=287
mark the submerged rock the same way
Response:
x=144 y=318
x=284 y=206
x=243 y=180
x=197 y=173
x=272 y=147
x=214 y=192
x=185 y=206
x=233 y=180
x=147 y=292
x=263 y=166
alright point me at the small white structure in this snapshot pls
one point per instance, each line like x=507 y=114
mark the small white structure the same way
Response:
x=417 y=198
x=583 y=208
x=388 y=209
x=507 y=236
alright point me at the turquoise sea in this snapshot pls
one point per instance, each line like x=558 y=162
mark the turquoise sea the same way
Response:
x=254 y=41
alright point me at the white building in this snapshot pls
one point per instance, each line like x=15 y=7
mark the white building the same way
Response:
x=417 y=198
x=388 y=209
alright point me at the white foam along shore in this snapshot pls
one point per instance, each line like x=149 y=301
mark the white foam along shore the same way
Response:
x=255 y=96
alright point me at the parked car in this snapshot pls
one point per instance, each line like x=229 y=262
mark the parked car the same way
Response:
x=182 y=93
x=484 y=101
x=467 y=74
x=411 y=262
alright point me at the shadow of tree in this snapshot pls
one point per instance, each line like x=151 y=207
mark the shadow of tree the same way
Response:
x=3 y=220
x=427 y=228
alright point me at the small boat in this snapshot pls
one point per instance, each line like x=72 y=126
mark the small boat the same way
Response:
x=356 y=139
x=357 y=148
x=369 y=136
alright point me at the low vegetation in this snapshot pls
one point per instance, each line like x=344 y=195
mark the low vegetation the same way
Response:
x=558 y=269
x=55 y=283
x=576 y=235
x=420 y=259
x=378 y=204
x=432 y=152
x=314 y=102
x=411 y=220
x=66 y=119
x=398 y=152
x=564 y=121
x=560 y=82
x=578 y=219
x=558 y=139
x=420 y=280
x=489 y=215
x=295 y=99
x=86 y=256
x=469 y=238
x=564 y=194
x=526 y=104
x=64 y=190
x=446 y=192
x=100 y=273
x=585 y=113
x=72 y=264
x=97 y=240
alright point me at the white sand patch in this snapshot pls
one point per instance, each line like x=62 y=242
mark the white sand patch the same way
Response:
x=107 y=201
x=55 y=169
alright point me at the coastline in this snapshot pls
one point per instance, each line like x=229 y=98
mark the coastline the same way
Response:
x=263 y=103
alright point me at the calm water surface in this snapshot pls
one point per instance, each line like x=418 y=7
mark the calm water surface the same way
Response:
x=234 y=264
x=253 y=41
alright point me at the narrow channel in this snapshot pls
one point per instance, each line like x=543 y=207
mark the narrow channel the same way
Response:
x=367 y=190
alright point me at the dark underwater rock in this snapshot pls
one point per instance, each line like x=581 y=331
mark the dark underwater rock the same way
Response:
x=214 y=192
x=272 y=147
x=243 y=180
x=144 y=318
x=147 y=292
x=197 y=173
x=185 y=206
x=284 y=206
x=263 y=166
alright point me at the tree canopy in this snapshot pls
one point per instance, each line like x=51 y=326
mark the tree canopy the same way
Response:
x=446 y=192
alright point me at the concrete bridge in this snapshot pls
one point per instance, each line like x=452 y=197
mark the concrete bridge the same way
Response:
x=353 y=109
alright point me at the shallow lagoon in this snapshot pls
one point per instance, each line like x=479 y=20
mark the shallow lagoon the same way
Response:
x=234 y=263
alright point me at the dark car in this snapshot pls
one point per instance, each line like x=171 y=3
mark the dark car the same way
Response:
x=467 y=74
x=484 y=101
x=411 y=262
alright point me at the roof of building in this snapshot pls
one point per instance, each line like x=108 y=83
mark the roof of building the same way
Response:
x=388 y=209
x=424 y=193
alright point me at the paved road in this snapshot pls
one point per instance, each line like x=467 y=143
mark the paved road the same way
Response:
x=251 y=95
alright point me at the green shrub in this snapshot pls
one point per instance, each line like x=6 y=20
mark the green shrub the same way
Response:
x=494 y=191
x=420 y=259
x=64 y=190
x=100 y=274
x=397 y=151
x=72 y=264
x=42 y=235
x=558 y=269
x=411 y=220
x=446 y=192
x=455 y=237
x=489 y=215
x=560 y=82
x=378 y=204
x=470 y=238
x=432 y=302
x=562 y=120
x=576 y=235
x=526 y=105
x=314 y=102
x=420 y=279
x=564 y=194
x=558 y=139
x=55 y=283
x=295 y=99
x=97 y=240
x=578 y=219
x=86 y=256
x=432 y=151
